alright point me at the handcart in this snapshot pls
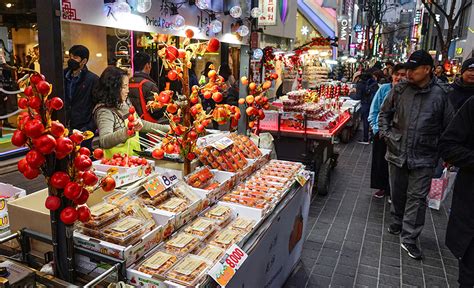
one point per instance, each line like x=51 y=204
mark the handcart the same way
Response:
x=302 y=143
x=350 y=129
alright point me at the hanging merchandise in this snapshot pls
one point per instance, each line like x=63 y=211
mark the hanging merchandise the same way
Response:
x=143 y=6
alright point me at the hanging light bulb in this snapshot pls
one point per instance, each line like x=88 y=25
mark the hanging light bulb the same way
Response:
x=256 y=12
x=143 y=6
x=178 y=22
x=202 y=4
x=243 y=30
x=257 y=54
x=121 y=7
x=216 y=26
x=235 y=12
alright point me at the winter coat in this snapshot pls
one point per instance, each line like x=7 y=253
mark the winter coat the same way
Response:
x=148 y=88
x=112 y=125
x=365 y=91
x=78 y=105
x=460 y=93
x=457 y=147
x=411 y=120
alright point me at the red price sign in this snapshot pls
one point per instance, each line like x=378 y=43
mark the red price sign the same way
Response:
x=225 y=269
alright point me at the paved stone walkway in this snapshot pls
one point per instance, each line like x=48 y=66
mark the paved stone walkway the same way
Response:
x=348 y=244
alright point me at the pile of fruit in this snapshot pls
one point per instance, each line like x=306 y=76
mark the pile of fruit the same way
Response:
x=256 y=101
x=49 y=141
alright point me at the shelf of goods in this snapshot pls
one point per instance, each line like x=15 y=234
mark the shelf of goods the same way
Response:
x=175 y=232
x=307 y=113
x=315 y=74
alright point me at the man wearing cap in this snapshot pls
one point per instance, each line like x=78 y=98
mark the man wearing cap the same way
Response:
x=463 y=87
x=411 y=121
x=79 y=83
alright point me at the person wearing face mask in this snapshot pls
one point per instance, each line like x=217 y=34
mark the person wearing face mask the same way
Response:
x=111 y=112
x=79 y=83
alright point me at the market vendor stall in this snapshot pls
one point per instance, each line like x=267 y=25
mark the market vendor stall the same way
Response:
x=317 y=117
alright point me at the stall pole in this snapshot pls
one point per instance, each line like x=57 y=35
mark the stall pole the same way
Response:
x=51 y=60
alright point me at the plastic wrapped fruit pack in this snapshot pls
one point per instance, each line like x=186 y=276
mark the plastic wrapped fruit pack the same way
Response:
x=229 y=159
x=158 y=264
x=221 y=214
x=126 y=231
x=225 y=238
x=200 y=178
x=247 y=201
x=188 y=271
x=181 y=244
x=247 y=146
x=209 y=252
x=201 y=227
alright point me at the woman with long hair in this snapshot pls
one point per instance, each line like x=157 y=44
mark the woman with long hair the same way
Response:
x=111 y=114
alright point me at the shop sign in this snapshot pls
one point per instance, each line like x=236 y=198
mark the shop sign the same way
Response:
x=343 y=22
x=225 y=269
x=157 y=20
x=269 y=10
x=352 y=50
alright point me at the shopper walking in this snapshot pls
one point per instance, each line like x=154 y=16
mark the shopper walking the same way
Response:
x=463 y=87
x=142 y=88
x=112 y=111
x=379 y=171
x=457 y=148
x=441 y=74
x=366 y=88
x=411 y=121
x=79 y=83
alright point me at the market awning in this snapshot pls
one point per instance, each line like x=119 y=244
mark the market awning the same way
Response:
x=322 y=18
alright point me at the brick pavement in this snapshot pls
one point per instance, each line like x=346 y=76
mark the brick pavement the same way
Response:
x=348 y=244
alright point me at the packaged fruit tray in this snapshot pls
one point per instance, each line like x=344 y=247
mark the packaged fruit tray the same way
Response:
x=221 y=214
x=228 y=159
x=226 y=238
x=181 y=244
x=202 y=178
x=126 y=231
x=247 y=146
x=248 y=201
x=158 y=264
x=189 y=270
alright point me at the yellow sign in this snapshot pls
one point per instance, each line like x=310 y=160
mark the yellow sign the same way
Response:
x=459 y=50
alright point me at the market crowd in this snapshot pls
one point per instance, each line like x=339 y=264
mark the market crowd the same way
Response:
x=419 y=123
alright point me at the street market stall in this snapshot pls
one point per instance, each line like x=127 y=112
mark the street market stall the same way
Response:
x=315 y=116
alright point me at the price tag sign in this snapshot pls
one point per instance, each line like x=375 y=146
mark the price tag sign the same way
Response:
x=169 y=179
x=159 y=184
x=222 y=143
x=225 y=269
x=302 y=177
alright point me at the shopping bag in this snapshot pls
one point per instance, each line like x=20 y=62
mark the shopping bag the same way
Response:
x=438 y=190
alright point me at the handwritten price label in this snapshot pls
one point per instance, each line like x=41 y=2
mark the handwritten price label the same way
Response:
x=303 y=177
x=225 y=269
x=222 y=143
x=157 y=185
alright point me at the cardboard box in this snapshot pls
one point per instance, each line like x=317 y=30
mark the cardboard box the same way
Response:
x=29 y=212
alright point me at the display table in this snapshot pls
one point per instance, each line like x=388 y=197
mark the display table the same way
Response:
x=273 y=249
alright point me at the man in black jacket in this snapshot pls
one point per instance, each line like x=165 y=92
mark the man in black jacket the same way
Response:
x=411 y=121
x=463 y=87
x=142 y=88
x=457 y=148
x=79 y=83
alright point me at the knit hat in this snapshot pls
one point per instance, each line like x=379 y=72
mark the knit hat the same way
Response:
x=468 y=64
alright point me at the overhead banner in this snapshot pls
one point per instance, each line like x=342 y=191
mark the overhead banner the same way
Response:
x=344 y=30
x=158 y=19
